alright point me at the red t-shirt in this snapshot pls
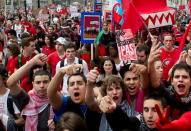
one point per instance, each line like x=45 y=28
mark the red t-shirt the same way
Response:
x=47 y=50
x=1 y=48
x=102 y=50
x=23 y=61
x=53 y=59
x=10 y=65
x=33 y=31
x=25 y=85
x=166 y=58
x=27 y=25
x=87 y=58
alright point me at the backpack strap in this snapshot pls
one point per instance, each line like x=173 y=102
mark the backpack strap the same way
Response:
x=10 y=106
x=19 y=60
x=14 y=27
x=62 y=63
x=79 y=61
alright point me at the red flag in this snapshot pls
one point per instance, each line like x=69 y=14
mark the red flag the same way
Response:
x=132 y=19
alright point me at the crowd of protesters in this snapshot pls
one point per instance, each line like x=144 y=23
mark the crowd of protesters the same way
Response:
x=48 y=81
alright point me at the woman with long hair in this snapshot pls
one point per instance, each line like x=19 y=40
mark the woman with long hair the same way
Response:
x=49 y=46
x=13 y=50
x=108 y=68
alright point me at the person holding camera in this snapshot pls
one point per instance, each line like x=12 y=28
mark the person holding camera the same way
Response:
x=70 y=59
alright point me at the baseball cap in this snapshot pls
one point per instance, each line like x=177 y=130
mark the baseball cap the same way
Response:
x=61 y=40
x=3 y=72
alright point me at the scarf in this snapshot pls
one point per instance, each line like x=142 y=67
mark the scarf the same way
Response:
x=143 y=126
x=35 y=106
x=177 y=111
x=185 y=100
x=139 y=101
x=124 y=105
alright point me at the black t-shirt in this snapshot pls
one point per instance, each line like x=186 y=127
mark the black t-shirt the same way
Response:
x=21 y=100
x=106 y=38
x=43 y=118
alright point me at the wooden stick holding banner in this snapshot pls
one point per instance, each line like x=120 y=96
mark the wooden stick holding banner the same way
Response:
x=98 y=37
x=92 y=56
x=92 y=47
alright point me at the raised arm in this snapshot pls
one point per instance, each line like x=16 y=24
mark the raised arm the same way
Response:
x=117 y=119
x=90 y=99
x=144 y=75
x=54 y=96
x=154 y=54
x=12 y=81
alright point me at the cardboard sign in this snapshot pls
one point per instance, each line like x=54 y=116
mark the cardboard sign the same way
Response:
x=59 y=8
x=98 y=7
x=90 y=26
x=73 y=11
x=51 y=11
x=42 y=15
x=107 y=15
x=52 y=6
x=126 y=45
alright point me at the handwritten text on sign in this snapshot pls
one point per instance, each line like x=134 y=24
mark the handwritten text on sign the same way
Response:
x=126 y=45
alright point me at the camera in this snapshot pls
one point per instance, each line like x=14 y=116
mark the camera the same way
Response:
x=78 y=70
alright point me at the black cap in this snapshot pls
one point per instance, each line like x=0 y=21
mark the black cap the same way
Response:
x=3 y=72
x=124 y=69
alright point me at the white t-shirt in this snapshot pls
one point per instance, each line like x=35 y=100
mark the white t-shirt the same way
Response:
x=17 y=28
x=65 y=78
x=3 y=105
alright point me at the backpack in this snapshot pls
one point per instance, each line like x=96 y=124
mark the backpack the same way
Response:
x=10 y=106
x=20 y=60
x=12 y=112
x=62 y=62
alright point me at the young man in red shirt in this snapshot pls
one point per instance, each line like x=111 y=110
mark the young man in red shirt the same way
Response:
x=167 y=55
x=26 y=23
x=28 y=45
x=57 y=56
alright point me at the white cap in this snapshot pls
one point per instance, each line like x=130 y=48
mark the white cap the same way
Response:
x=61 y=40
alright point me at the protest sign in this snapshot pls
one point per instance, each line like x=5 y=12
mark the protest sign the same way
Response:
x=90 y=26
x=98 y=7
x=51 y=11
x=42 y=15
x=73 y=11
x=126 y=45
x=107 y=15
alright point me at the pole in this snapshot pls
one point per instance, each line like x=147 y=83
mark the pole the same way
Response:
x=92 y=55
x=25 y=4
x=38 y=3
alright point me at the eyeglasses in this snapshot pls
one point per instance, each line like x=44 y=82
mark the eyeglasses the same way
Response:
x=168 y=40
